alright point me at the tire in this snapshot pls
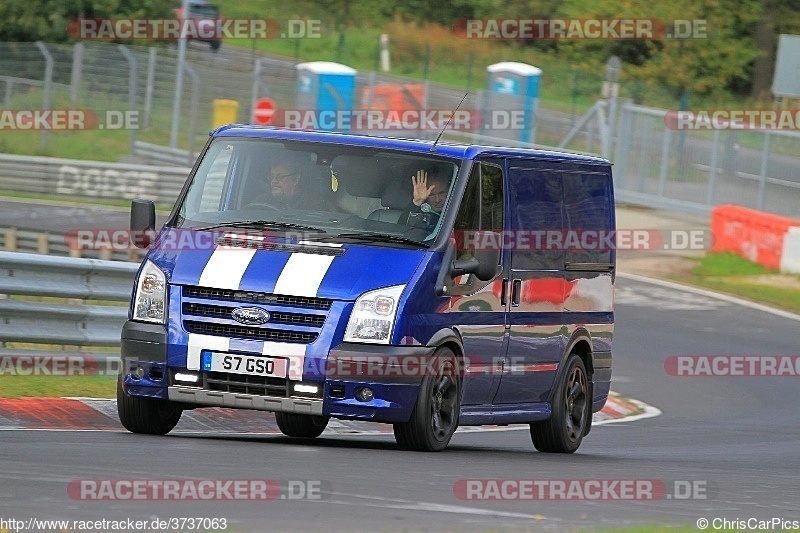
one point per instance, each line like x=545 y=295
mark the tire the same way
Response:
x=301 y=426
x=146 y=415
x=572 y=412
x=434 y=418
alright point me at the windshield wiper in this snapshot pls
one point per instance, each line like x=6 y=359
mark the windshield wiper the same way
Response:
x=261 y=224
x=379 y=237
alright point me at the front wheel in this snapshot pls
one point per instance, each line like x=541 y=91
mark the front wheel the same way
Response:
x=301 y=426
x=435 y=415
x=571 y=416
x=146 y=415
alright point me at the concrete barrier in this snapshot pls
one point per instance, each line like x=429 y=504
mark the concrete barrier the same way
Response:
x=769 y=240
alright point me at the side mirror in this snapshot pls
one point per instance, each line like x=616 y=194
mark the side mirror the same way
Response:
x=483 y=263
x=143 y=222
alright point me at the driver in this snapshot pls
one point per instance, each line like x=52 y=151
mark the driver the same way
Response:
x=287 y=189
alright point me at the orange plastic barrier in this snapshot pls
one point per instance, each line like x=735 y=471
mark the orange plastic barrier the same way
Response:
x=754 y=235
x=393 y=96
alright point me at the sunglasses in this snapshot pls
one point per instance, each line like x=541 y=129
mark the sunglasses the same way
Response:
x=282 y=177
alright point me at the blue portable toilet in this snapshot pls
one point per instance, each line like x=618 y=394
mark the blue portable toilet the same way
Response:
x=326 y=87
x=512 y=89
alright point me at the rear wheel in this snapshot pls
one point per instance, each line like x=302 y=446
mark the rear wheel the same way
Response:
x=146 y=415
x=301 y=426
x=571 y=416
x=435 y=415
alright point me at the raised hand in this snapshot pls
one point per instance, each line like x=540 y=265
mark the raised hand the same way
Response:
x=421 y=189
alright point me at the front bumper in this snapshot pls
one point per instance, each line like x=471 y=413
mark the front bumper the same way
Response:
x=393 y=373
x=196 y=396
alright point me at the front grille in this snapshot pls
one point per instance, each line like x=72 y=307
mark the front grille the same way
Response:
x=245 y=384
x=257 y=297
x=277 y=317
x=249 y=332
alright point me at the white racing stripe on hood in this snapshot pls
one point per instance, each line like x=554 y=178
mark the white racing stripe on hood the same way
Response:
x=301 y=276
x=198 y=342
x=227 y=264
x=303 y=272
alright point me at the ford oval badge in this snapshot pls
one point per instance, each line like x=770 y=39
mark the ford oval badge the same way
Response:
x=250 y=315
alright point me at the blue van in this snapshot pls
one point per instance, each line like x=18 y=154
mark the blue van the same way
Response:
x=428 y=285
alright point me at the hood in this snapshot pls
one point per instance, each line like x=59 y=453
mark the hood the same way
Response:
x=304 y=268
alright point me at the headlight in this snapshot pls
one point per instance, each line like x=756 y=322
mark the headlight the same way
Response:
x=151 y=295
x=373 y=316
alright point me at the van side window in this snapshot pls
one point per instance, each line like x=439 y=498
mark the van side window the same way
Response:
x=480 y=214
x=536 y=195
x=491 y=197
x=588 y=214
x=482 y=204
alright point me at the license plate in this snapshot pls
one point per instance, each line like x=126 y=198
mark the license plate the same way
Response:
x=253 y=365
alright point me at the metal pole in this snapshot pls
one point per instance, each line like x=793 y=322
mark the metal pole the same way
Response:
x=621 y=148
x=193 y=115
x=48 y=85
x=762 y=181
x=662 y=178
x=77 y=67
x=176 y=101
x=256 y=85
x=712 y=176
x=131 y=90
x=151 y=77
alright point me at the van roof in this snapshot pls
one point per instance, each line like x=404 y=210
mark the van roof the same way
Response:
x=463 y=151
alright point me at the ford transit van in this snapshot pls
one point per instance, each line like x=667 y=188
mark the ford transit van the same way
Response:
x=427 y=285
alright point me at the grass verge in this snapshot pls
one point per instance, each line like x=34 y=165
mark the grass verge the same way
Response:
x=57 y=386
x=731 y=274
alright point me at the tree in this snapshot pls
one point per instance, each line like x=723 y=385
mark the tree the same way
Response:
x=46 y=20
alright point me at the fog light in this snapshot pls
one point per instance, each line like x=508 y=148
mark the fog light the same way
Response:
x=305 y=389
x=138 y=372
x=189 y=378
x=365 y=394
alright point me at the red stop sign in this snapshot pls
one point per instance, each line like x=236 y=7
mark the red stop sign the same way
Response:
x=263 y=111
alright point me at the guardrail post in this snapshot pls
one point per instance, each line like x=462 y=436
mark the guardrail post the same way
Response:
x=11 y=239
x=48 y=85
x=43 y=244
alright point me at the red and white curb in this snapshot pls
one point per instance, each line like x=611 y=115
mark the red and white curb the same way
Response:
x=92 y=414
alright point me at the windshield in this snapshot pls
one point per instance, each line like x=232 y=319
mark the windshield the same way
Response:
x=342 y=192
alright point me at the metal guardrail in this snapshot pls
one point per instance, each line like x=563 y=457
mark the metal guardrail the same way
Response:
x=163 y=155
x=90 y=179
x=30 y=241
x=74 y=281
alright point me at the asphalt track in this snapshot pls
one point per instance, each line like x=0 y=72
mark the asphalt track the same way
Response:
x=733 y=437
